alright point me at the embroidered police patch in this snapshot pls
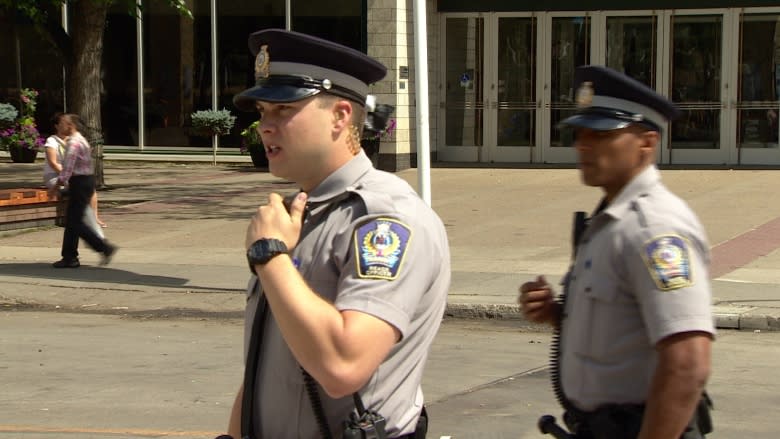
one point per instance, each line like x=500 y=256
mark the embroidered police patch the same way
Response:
x=668 y=259
x=380 y=245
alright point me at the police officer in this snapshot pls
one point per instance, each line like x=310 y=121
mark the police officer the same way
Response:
x=352 y=273
x=635 y=321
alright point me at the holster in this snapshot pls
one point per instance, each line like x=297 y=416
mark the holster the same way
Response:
x=623 y=421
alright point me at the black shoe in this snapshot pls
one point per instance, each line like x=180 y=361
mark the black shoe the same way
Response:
x=108 y=253
x=67 y=263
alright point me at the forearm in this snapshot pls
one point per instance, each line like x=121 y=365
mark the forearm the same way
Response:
x=675 y=390
x=670 y=408
x=315 y=331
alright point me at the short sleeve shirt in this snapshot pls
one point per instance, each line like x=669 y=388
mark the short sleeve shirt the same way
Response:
x=640 y=275
x=58 y=145
x=78 y=158
x=369 y=244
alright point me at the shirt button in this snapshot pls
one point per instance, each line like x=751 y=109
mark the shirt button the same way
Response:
x=588 y=263
x=587 y=289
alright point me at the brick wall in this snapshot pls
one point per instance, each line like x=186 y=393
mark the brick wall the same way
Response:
x=391 y=41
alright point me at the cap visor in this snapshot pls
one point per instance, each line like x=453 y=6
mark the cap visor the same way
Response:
x=593 y=122
x=245 y=101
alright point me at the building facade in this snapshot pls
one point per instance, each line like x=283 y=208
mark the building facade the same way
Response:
x=500 y=72
x=506 y=76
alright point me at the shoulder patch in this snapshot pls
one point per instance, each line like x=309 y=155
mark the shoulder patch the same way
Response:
x=668 y=259
x=380 y=246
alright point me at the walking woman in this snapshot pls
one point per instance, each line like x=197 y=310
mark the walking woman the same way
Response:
x=77 y=174
x=55 y=154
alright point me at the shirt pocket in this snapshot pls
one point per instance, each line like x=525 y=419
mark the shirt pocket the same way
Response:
x=614 y=321
x=600 y=309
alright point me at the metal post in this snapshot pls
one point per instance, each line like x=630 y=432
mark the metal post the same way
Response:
x=421 y=97
x=214 y=79
x=288 y=14
x=64 y=72
x=139 y=44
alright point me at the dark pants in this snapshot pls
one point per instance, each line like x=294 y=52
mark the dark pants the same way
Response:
x=81 y=188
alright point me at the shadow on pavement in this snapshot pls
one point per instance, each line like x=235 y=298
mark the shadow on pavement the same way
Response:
x=87 y=273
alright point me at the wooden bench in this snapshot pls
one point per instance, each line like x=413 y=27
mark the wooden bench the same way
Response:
x=29 y=207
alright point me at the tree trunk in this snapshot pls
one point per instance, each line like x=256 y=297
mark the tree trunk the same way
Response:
x=84 y=82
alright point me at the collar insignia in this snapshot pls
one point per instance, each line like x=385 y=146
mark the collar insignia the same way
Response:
x=585 y=94
x=262 y=63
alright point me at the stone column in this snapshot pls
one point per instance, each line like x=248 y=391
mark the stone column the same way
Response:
x=391 y=41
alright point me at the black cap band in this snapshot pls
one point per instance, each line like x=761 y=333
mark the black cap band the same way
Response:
x=307 y=82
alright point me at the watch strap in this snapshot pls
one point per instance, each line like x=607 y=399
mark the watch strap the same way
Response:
x=263 y=250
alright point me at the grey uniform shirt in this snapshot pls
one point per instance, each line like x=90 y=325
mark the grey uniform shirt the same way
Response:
x=370 y=244
x=641 y=274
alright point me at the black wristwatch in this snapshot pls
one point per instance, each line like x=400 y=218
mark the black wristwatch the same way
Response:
x=263 y=250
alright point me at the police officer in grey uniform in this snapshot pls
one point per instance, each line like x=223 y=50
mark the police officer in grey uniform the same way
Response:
x=351 y=274
x=635 y=320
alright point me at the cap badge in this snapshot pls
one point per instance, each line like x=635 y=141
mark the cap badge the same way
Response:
x=585 y=94
x=262 y=63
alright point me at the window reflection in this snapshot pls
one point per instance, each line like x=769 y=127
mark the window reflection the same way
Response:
x=696 y=77
x=516 y=81
x=119 y=94
x=39 y=65
x=759 y=77
x=570 y=49
x=177 y=72
x=631 y=47
x=340 y=22
x=178 y=62
x=465 y=39
x=236 y=21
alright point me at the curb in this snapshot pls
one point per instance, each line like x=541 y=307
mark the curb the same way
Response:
x=747 y=321
x=751 y=319
x=725 y=317
x=484 y=311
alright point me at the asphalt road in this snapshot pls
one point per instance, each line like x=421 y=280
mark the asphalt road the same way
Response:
x=98 y=376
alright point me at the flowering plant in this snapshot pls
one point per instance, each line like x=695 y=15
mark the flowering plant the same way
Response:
x=387 y=132
x=378 y=124
x=250 y=138
x=22 y=132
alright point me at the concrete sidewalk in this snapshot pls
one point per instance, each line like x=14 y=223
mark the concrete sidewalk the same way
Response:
x=180 y=226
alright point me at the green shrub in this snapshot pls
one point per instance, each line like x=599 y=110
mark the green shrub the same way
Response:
x=8 y=114
x=212 y=122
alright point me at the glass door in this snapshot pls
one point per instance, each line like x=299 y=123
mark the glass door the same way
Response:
x=512 y=112
x=632 y=42
x=758 y=95
x=697 y=86
x=568 y=45
x=462 y=91
x=632 y=46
